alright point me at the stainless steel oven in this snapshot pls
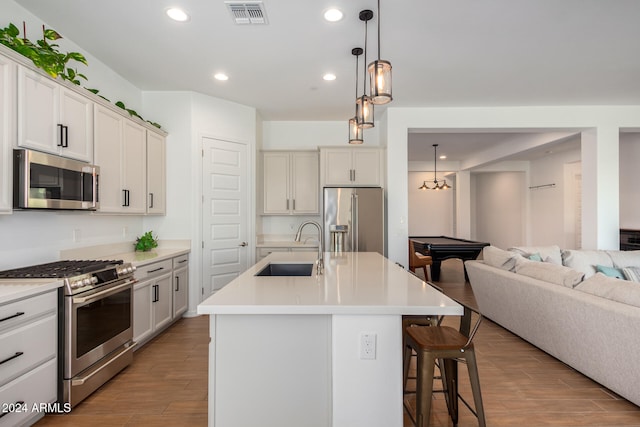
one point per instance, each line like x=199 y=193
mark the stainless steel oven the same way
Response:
x=45 y=181
x=95 y=321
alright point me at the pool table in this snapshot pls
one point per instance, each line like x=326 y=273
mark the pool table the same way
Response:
x=443 y=247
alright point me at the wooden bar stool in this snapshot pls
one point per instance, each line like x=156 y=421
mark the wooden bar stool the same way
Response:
x=417 y=260
x=448 y=346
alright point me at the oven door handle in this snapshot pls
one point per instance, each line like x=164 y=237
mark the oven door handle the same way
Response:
x=81 y=380
x=94 y=297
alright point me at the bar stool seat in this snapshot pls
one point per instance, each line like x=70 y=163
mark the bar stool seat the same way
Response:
x=447 y=346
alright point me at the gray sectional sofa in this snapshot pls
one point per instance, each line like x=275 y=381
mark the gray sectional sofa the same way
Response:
x=568 y=307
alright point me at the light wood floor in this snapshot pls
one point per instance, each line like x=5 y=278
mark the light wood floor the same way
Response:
x=521 y=385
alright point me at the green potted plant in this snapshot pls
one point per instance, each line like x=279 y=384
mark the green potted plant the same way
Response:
x=146 y=242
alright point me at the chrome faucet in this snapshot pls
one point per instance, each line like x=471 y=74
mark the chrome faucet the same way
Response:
x=320 y=260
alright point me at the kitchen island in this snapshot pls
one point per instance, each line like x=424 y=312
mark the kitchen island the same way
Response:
x=314 y=351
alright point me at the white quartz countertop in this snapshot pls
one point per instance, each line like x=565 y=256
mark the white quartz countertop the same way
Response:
x=352 y=283
x=11 y=290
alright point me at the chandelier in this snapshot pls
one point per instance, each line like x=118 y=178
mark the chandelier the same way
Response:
x=436 y=183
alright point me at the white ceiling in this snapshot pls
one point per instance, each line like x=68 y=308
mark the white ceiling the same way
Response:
x=444 y=53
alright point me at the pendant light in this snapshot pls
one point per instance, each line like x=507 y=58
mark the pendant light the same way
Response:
x=364 y=107
x=355 y=132
x=436 y=185
x=380 y=75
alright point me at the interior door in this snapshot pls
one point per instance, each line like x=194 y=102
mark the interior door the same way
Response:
x=224 y=213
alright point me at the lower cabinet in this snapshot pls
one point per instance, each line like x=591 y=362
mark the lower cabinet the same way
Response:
x=180 y=285
x=28 y=357
x=160 y=296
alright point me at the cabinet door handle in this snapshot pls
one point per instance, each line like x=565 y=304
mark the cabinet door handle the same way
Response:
x=18 y=354
x=124 y=196
x=150 y=200
x=18 y=314
x=60 y=135
x=155 y=269
x=65 y=141
x=287 y=204
x=177 y=283
x=156 y=296
x=294 y=204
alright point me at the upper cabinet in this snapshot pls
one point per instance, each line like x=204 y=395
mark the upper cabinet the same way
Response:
x=352 y=167
x=120 y=151
x=290 y=183
x=7 y=130
x=156 y=167
x=53 y=118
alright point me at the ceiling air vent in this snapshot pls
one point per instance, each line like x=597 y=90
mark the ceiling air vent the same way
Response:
x=247 y=12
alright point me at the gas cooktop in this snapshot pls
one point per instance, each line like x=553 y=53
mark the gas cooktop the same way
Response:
x=58 y=269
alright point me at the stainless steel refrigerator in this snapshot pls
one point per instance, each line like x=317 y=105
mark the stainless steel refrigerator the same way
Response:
x=354 y=219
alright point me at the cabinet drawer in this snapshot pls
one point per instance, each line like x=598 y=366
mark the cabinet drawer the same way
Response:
x=153 y=270
x=18 y=312
x=181 y=261
x=34 y=388
x=25 y=347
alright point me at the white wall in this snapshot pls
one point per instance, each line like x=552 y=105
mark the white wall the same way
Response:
x=500 y=208
x=188 y=117
x=431 y=213
x=629 y=180
x=549 y=211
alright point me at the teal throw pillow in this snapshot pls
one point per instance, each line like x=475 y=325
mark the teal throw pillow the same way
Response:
x=535 y=257
x=610 y=271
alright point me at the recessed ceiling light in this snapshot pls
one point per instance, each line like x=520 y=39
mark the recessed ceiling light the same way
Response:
x=443 y=157
x=221 y=76
x=333 y=15
x=177 y=14
x=329 y=77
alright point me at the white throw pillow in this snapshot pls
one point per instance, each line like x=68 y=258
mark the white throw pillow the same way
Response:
x=552 y=273
x=623 y=259
x=586 y=261
x=500 y=258
x=550 y=254
x=618 y=290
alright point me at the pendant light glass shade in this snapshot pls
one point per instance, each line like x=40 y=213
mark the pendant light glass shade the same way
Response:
x=355 y=132
x=380 y=75
x=424 y=186
x=364 y=112
x=364 y=107
x=380 y=81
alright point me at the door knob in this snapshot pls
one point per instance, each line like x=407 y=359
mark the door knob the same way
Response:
x=243 y=244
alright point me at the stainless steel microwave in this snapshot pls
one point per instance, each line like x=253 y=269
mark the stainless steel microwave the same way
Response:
x=46 y=181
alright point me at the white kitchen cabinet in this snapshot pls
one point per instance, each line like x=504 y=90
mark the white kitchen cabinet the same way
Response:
x=120 y=152
x=53 y=118
x=156 y=180
x=152 y=300
x=290 y=183
x=7 y=131
x=352 y=167
x=28 y=355
x=180 y=285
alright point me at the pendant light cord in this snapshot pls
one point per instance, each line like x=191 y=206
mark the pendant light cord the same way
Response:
x=378 y=30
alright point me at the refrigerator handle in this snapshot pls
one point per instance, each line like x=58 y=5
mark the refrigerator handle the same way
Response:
x=354 y=222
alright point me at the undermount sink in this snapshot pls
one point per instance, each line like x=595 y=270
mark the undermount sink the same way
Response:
x=286 y=269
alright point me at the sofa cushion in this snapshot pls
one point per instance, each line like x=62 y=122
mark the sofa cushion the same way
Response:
x=549 y=272
x=610 y=271
x=631 y=273
x=500 y=258
x=625 y=258
x=586 y=261
x=550 y=254
x=618 y=290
